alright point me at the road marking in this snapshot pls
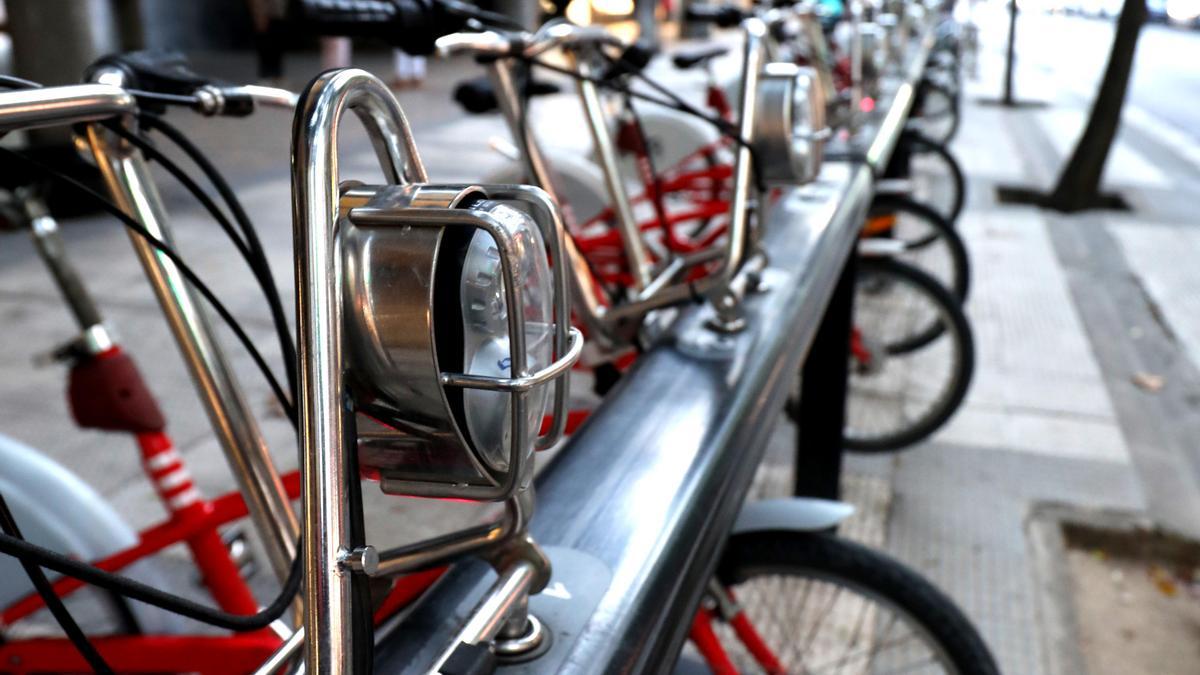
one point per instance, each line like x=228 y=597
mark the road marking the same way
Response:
x=1146 y=122
x=1126 y=166
x=1163 y=257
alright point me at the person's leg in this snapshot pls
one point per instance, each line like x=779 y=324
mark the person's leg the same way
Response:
x=335 y=52
x=401 y=69
x=268 y=40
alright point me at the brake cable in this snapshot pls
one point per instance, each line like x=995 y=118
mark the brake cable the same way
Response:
x=173 y=256
x=54 y=603
x=135 y=590
x=672 y=102
x=250 y=247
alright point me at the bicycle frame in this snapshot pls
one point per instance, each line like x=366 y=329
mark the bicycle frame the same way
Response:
x=664 y=288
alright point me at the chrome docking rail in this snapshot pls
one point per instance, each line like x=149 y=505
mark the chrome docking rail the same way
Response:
x=634 y=510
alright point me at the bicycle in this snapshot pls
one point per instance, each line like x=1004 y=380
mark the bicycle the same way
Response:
x=912 y=357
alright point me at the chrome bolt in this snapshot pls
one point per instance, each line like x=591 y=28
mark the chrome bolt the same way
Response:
x=362 y=560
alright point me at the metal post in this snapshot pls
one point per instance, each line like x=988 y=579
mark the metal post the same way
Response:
x=823 y=385
x=46 y=238
x=327 y=489
x=606 y=156
x=132 y=188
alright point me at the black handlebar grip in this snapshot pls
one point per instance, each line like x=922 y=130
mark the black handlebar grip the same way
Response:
x=411 y=25
x=725 y=16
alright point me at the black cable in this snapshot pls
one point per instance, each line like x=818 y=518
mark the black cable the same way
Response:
x=184 y=269
x=286 y=343
x=136 y=590
x=465 y=10
x=54 y=603
x=673 y=102
x=18 y=82
x=250 y=248
x=154 y=154
x=164 y=98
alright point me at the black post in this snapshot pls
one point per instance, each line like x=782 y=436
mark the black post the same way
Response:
x=822 y=411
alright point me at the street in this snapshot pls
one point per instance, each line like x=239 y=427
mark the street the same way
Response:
x=1062 y=59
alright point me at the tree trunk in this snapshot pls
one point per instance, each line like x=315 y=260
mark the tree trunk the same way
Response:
x=1078 y=185
x=1010 y=55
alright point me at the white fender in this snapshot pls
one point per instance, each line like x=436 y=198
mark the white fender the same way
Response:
x=802 y=514
x=58 y=511
x=671 y=136
x=580 y=184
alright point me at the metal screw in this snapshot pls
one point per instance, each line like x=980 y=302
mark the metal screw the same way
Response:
x=362 y=560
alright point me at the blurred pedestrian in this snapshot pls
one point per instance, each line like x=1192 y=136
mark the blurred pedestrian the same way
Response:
x=335 y=52
x=407 y=70
x=268 y=17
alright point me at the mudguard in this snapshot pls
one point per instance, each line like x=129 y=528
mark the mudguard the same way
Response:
x=580 y=185
x=671 y=135
x=57 y=510
x=802 y=514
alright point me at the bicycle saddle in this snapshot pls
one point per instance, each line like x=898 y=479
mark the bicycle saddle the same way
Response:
x=693 y=57
x=477 y=96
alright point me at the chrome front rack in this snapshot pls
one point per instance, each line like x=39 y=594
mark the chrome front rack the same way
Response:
x=322 y=216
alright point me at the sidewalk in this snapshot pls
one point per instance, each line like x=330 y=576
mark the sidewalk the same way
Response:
x=1068 y=313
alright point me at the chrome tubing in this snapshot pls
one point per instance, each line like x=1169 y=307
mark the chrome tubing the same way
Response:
x=716 y=283
x=60 y=106
x=286 y=652
x=600 y=319
x=132 y=187
x=606 y=155
x=325 y=483
x=448 y=548
x=856 y=62
x=584 y=297
x=887 y=134
x=488 y=617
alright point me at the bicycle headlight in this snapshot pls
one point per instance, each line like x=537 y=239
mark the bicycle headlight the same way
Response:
x=452 y=335
x=789 y=125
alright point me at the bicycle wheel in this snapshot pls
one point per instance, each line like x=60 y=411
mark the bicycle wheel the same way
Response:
x=827 y=605
x=937 y=179
x=911 y=361
x=930 y=242
x=936 y=112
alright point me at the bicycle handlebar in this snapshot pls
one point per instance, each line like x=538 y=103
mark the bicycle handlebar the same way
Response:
x=724 y=16
x=59 y=106
x=528 y=45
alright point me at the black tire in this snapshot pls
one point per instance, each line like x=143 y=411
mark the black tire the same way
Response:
x=863 y=571
x=933 y=344
x=930 y=242
x=926 y=148
x=936 y=111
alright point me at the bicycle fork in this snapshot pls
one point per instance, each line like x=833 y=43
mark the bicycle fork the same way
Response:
x=106 y=391
x=720 y=604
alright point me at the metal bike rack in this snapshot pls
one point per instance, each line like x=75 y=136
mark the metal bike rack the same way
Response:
x=634 y=510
